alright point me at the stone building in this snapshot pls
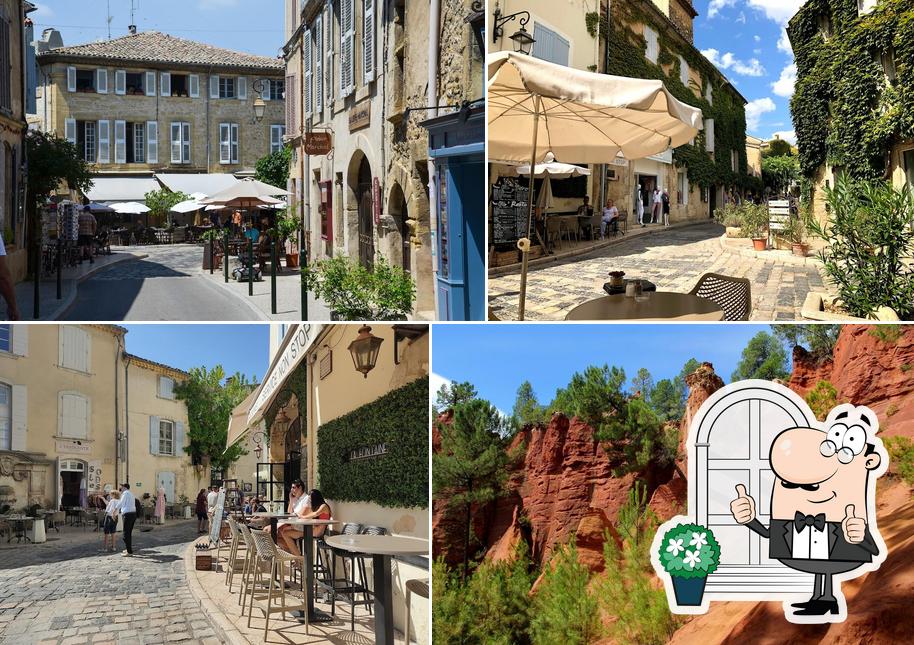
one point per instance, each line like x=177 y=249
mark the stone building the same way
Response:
x=361 y=71
x=853 y=103
x=12 y=131
x=78 y=414
x=152 y=103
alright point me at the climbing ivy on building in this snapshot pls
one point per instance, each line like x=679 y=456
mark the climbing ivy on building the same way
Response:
x=626 y=58
x=846 y=111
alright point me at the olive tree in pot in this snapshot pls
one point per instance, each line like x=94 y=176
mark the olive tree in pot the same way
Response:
x=355 y=292
x=755 y=224
x=287 y=227
x=794 y=231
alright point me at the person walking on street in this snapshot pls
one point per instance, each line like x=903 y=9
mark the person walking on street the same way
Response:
x=201 y=511
x=110 y=526
x=656 y=206
x=211 y=500
x=160 y=506
x=128 y=509
x=87 y=229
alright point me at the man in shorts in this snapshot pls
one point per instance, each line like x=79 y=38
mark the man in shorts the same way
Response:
x=87 y=228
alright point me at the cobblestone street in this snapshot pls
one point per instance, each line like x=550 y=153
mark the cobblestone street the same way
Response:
x=68 y=591
x=673 y=259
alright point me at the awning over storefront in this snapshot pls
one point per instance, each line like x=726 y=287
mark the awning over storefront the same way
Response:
x=238 y=424
x=292 y=352
x=121 y=189
x=206 y=183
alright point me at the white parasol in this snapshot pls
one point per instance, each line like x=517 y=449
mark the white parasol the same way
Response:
x=130 y=208
x=555 y=169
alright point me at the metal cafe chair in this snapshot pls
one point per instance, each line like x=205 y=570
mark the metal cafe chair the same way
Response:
x=353 y=587
x=272 y=563
x=420 y=588
x=733 y=295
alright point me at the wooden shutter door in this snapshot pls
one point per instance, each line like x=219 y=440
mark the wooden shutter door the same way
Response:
x=153 y=435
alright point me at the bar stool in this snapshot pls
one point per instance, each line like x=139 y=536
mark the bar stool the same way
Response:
x=420 y=588
x=268 y=552
x=350 y=586
x=237 y=544
x=250 y=561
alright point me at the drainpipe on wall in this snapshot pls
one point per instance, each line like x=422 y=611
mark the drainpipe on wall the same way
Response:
x=126 y=417
x=209 y=83
x=117 y=425
x=434 y=25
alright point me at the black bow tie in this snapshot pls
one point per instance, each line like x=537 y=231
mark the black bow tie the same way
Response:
x=801 y=521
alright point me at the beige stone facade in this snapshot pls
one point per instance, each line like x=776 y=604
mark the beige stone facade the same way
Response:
x=12 y=131
x=78 y=415
x=371 y=197
x=160 y=117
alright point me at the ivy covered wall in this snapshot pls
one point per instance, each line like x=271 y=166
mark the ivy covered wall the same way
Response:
x=845 y=110
x=399 y=420
x=626 y=57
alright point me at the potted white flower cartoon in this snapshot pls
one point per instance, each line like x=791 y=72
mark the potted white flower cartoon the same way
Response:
x=689 y=553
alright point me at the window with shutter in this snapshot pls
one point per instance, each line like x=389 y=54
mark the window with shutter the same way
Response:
x=150 y=83
x=328 y=64
x=347 y=55
x=234 y=143
x=709 y=94
x=104 y=140
x=652 y=51
x=166 y=437
x=683 y=71
x=307 y=51
x=185 y=142
x=154 y=435
x=152 y=142
x=175 y=142
x=120 y=81
x=709 y=135
x=291 y=104
x=73 y=415
x=368 y=42
x=6 y=415
x=120 y=142
x=550 y=46
x=242 y=88
x=277 y=132
x=74 y=347
x=101 y=81
x=214 y=87
x=194 y=86
x=165 y=83
x=71 y=79
x=225 y=154
x=166 y=387
x=319 y=66
x=70 y=130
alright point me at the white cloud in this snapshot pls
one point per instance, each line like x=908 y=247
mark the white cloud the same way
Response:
x=784 y=85
x=784 y=43
x=787 y=135
x=435 y=381
x=779 y=11
x=716 y=5
x=755 y=109
x=728 y=61
x=757 y=38
x=741 y=18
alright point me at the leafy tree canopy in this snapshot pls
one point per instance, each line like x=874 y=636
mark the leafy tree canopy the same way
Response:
x=273 y=168
x=450 y=395
x=161 y=201
x=763 y=358
x=643 y=383
x=778 y=148
x=818 y=340
x=53 y=161
x=527 y=410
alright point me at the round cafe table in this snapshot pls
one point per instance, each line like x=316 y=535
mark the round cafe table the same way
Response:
x=307 y=527
x=381 y=548
x=660 y=305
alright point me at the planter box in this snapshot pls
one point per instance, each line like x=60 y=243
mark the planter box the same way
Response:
x=204 y=562
x=814 y=308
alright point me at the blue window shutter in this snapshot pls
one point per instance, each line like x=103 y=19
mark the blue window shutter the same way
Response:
x=550 y=46
x=153 y=435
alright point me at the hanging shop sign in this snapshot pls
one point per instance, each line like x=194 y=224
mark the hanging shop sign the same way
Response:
x=368 y=452
x=298 y=340
x=72 y=448
x=360 y=116
x=318 y=143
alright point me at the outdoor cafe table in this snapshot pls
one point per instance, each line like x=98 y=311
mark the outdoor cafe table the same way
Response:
x=307 y=527
x=19 y=528
x=274 y=518
x=381 y=548
x=660 y=305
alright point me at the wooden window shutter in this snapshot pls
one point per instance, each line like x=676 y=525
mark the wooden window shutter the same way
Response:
x=368 y=42
x=214 y=87
x=120 y=81
x=224 y=153
x=152 y=142
x=104 y=141
x=319 y=65
x=153 y=435
x=150 y=83
x=20 y=422
x=71 y=79
x=165 y=83
x=70 y=130
x=242 y=90
x=120 y=142
x=194 y=86
x=101 y=81
x=308 y=51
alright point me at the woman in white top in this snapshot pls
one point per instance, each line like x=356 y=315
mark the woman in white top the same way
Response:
x=110 y=526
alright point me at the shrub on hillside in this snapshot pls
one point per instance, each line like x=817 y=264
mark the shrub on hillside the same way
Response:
x=564 y=609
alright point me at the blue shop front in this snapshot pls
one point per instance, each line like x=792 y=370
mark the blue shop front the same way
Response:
x=457 y=147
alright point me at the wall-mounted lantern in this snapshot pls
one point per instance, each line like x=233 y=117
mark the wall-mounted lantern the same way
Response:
x=523 y=41
x=364 y=350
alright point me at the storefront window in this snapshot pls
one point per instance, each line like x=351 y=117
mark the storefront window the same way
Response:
x=443 y=233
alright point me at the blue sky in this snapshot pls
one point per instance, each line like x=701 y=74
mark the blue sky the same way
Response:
x=747 y=42
x=497 y=358
x=238 y=348
x=254 y=26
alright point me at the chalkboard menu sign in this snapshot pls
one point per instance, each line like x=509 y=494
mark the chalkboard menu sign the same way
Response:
x=509 y=209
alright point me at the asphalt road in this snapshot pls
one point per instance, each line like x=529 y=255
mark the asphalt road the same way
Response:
x=167 y=285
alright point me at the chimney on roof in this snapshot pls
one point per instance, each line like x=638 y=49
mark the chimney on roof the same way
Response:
x=132 y=29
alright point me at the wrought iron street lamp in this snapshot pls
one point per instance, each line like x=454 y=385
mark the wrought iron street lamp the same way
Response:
x=523 y=41
x=260 y=105
x=364 y=350
x=257 y=439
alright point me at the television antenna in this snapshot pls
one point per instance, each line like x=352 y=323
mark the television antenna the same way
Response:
x=109 y=19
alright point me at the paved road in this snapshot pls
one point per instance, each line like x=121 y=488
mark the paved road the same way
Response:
x=72 y=593
x=168 y=285
x=673 y=259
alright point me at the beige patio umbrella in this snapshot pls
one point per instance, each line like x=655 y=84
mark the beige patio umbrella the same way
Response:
x=246 y=193
x=535 y=107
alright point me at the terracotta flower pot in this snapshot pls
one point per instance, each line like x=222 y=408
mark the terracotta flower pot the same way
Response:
x=800 y=250
x=759 y=243
x=291 y=260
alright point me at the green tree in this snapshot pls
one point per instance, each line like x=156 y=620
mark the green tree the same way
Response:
x=763 y=358
x=822 y=398
x=210 y=399
x=901 y=450
x=527 y=409
x=161 y=201
x=471 y=467
x=564 y=608
x=643 y=383
x=818 y=340
x=666 y=400
x=452 y=394
x=273 y=168
x=780 y=173
x=778 y=148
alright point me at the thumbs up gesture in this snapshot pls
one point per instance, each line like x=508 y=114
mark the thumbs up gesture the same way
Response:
x=743 y=507
x=854 y=528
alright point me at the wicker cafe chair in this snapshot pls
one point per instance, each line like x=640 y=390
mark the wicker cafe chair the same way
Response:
x=236 y=545
x=733 y=295
x=275 y=586
x=250 y=561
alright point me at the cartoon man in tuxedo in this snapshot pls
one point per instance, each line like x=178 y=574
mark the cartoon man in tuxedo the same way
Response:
x=819 y=509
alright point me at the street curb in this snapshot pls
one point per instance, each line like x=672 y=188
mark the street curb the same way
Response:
x=495 y=272
x=261 y=315
x=226 y=632
x=73 y=285
x=766 y=255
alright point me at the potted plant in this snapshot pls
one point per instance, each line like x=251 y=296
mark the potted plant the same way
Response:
x=689 y=553
x=210 y=238
x=755 y=224
x=287 y=227
x=354 y=292
x=730 y=217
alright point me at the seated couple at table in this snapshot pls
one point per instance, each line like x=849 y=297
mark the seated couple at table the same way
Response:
x=304 y=506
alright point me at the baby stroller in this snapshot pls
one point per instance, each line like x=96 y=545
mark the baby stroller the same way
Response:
x=241 y=272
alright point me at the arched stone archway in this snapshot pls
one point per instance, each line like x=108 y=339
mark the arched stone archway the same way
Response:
x=359 y=207
x=409 y=185
x=398 y=209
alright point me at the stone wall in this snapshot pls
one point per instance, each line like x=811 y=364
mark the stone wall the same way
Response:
x=12 y=126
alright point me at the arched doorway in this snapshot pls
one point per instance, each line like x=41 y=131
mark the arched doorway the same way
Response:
x=399 y=212
x=366 y=215
x=735 y=429
x=72 y=483
x=292 y=468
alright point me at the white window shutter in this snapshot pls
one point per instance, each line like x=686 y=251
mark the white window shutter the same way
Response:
x=347 y=57
x=150 y=83
x=224 y=153
x=20 y=340
x=683 y=71
x=70 y=130
x=71 y=79
x=214 y=87
x=179 y=439
x=194 y=81
x=152 y=142
x=319 y=64
x=175 y=142
x=267 y=84
x=20 y=415
x=328 y=21
x=165 y=83
x=308 y=50
x=709 y=135
x=101 y=81
x=242 y=89
x=368 y=42
x=234 y=146
x=120 y=142
x=104 y=142
x=153 y=435
x=185 y=142
x=120 y=81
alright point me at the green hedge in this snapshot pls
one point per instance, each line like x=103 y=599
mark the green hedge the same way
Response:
x=398 y=478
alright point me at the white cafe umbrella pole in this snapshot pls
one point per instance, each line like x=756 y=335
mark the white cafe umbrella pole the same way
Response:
x=524 y=243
